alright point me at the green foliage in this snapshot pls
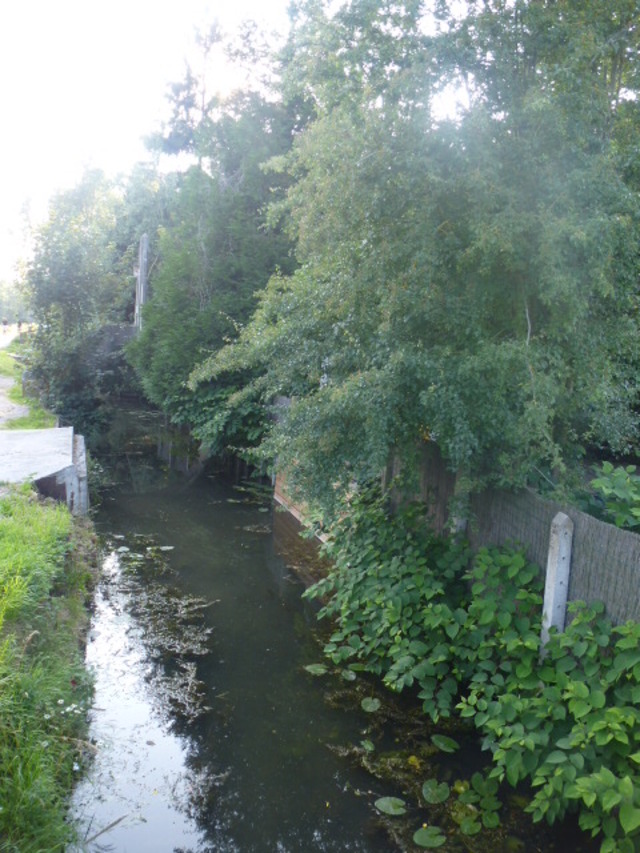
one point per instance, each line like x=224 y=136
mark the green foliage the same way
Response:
x=481 y=795
x=81 y=292
x=43 y=686
x=443 y=288
x=435 y=792
x=215 y=254
x=444 y=743
x=33 y=544
x=429 y=837
x=465 y=636
x=619 y=487
x=393 y=806
x=37 y=417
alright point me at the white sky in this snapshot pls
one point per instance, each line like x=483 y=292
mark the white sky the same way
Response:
x=82 y=81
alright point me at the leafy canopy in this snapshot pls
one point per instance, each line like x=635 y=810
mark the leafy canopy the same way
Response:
x=471 y=281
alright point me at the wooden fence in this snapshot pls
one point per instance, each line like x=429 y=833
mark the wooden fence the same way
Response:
x=605 y=561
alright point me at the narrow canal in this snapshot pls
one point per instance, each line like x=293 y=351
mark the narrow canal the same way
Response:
x=210 y=734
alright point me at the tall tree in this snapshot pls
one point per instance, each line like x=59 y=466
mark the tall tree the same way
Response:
x=80 y=281
x=215 y=253
x=471 y=281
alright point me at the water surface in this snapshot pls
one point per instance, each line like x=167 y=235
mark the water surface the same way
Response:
x=211 y=735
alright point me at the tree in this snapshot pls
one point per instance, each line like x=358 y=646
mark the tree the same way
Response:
x=473 y=282
x=214 y=254
x=80 y=282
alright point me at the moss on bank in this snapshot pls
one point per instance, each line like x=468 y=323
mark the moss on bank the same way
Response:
x=47 y=567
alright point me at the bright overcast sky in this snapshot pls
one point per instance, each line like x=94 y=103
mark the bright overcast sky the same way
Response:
x=81 y=81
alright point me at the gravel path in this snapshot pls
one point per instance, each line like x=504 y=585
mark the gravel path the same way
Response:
x=9 y=410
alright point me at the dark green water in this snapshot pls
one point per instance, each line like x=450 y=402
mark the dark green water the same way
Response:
x=211 y=735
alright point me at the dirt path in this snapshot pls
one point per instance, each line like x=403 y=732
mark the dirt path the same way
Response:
x=9 y=410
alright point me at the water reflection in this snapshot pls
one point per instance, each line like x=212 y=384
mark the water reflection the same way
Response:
x=212 y=737
x=139 y=777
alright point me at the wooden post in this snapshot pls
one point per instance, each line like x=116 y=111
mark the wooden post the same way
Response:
x=556 y=588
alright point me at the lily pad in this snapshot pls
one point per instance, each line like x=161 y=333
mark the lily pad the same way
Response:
x=429 y=836
x=348 y=675
x=470 y=826
x=368 y=745
x=316 y=668
x=391 y=805
x=370 y=704
x=435 y=792
x=444 y=743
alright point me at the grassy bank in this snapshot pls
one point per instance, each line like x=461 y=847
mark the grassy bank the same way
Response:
x=46 y=560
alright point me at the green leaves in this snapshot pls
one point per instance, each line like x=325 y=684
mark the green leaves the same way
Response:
x=435 y=792
x=620 y=489
x=629 y=818
x=316 y=668
x=568 y=725
x=429 y=837
x=393 y=806
x=444 y=743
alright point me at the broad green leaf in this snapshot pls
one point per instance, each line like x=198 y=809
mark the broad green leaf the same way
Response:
x=391 y=806
x=470 y=826
x=444 y=743
x=629 y=818
x=491 y=820
x=435 y=792
x=429 y=837
x=316 y=668
x=610 y=799
x=370 y=704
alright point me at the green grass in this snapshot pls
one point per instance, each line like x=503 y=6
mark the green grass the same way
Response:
x=44 y=686
x=38 y=418
x=9 y=366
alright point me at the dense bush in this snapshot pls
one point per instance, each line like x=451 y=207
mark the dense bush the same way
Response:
x=464 y=633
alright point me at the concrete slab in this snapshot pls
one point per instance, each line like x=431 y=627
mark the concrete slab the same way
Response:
x=31 y=454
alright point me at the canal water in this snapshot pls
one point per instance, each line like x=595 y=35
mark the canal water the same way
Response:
x=210 y=735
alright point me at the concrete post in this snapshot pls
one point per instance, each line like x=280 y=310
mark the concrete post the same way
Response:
x=141 y=280
x=556 y=588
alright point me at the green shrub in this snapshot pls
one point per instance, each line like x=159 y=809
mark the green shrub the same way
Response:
x=414 y=610
x=619 y=488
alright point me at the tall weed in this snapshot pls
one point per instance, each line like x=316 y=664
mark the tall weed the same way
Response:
x=43 y=685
